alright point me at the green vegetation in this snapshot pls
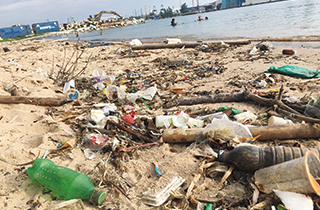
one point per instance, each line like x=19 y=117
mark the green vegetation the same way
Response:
x=184 y=8
x=166 y=13
x=20 y=37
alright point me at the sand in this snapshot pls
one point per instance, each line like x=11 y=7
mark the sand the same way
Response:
x=27 y=130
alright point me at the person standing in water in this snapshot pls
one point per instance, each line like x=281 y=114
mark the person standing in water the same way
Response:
x=173 y=22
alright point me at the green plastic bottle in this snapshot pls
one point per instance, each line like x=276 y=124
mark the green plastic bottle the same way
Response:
x=65 y=182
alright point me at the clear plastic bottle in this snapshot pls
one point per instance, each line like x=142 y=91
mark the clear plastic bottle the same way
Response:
x=65 y=182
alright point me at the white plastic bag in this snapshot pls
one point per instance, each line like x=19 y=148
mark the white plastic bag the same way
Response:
x=224 y=122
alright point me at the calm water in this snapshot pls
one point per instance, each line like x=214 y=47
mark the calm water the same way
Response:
x=280 y=19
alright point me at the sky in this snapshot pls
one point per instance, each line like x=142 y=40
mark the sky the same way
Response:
x=37 y=11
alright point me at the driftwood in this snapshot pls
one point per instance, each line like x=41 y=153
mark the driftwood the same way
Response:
x=46 y=101
x=188 y=45
x=278 y=105
x=132 y=132
x=217 y=98
x=183 y=135
x=280 y=132
x=290 y=131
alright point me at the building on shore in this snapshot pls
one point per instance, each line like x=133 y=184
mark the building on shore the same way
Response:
x=226 y=4
x=252 y=2
x=231 y=3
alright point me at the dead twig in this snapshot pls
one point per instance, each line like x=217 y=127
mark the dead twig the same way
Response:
x=67 y=73
x=135 y=147
x=185 y=202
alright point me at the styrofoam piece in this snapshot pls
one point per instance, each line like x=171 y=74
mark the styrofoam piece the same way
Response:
x=135 y=42
x=193 y=123
x=173 y=41
x=99 y=118
x=295 y=201
x=163 y=195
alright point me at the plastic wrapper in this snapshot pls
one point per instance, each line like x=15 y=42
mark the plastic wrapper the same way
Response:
x=99 y=118
x=222 y=121
x=96 y=141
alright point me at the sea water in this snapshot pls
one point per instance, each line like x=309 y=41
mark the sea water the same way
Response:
x=279 y=19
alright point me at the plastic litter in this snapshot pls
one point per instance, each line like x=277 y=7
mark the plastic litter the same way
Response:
x=292 y=99
x=99 y=75
x=294 y=201
x=128 y=119
x=278 y=121
x=110 y=107
x=179 y=121
x=297 y=175
x=234 y=110
x=132 y=97
x=68 y=85
x=173 y=41
x=99 y=118
x=312 y=111
x=288 y=52
x=96 y=141
x=135 y=42
x=163 y=195
x=70 y=204
x=244 y=116
x=261 y=84
x=296 y=71
x=12 y=87
x=88 y=153
x=253 y=51
x=238 y=129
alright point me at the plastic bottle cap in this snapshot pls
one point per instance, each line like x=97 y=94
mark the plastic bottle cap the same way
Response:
x=99 y=197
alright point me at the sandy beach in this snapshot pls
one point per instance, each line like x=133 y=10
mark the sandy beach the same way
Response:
x=28 y=130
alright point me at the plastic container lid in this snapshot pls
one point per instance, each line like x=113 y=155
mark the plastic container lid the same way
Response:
x=99 y=197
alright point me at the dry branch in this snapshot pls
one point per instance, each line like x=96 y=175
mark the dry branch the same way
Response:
x=268 y=102
x=188 y=45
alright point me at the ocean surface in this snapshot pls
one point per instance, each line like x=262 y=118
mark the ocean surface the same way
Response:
x=279 y=19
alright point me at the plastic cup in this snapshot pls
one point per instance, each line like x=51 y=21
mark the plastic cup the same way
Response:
x=297 y=175
x=163 y=121
x=278 y=121
x=180 y=121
